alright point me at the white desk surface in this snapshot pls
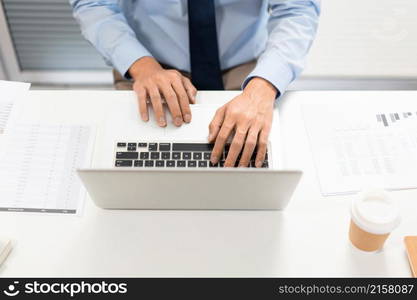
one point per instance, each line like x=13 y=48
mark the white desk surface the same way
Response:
x=309 y=238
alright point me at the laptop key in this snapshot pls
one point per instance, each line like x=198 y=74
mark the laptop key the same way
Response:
x=237 y=162
x=221 y=163
x=160 y=163
x=202 y=164
x=176 y=155
x=265 y=164
x=170 y=163
x=138 y=163
x=144 y=155
x=197 y=155
x=124 y=163
x=192 y=147
x=207 y=155
x=213 y=166
x=142 y=145
x=131 y=144
x=226 y=150
x=153 y=147
x=164 y=147
x=186 y=155
x=154 y=155
x=166 y=155
x=131 y=148
x=148 y=163
x=181 y=163
x=121 y=145
x=127 y=155
x=191 y=164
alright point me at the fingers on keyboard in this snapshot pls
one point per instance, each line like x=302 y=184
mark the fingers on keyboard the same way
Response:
x=172 y=155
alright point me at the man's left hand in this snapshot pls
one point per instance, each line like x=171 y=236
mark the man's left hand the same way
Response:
x=247 y=116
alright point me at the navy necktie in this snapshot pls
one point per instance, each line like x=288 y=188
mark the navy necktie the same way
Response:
x=204 y=51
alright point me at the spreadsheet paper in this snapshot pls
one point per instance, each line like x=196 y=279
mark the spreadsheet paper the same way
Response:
x=38 y=168
x=10 y=92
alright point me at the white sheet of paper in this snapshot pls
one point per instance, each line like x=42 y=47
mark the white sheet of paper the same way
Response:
x=10 y=92
x=37 y=170
x=356 y=145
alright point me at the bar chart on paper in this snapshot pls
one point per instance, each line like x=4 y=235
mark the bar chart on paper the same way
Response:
x=392 y=118
x=352 y=149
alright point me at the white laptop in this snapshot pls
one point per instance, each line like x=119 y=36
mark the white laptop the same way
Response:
x=141 y=166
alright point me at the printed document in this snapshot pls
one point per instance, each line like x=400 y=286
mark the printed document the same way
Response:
x=10 y=92
x=37 y=169
x=357 y=145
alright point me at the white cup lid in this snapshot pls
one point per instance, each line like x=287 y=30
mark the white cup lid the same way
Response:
x=375 y=212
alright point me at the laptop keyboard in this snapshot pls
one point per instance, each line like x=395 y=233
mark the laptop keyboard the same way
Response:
x=171 y=155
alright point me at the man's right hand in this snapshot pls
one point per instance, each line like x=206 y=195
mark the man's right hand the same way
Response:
x=153 y=82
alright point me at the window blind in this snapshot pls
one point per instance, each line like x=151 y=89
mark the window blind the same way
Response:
x=46 y=37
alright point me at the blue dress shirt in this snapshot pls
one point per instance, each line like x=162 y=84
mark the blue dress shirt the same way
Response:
x=278 y=33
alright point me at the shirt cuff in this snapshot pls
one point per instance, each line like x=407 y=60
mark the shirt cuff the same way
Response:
x=125 y=54
x=272 y=68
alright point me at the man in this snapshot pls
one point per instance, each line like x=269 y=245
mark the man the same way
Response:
x=159 y=44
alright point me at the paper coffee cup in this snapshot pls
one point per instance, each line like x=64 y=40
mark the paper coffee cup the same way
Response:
x=373 y=217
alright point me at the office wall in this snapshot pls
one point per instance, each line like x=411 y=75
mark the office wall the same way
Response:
x=364 y=45
x=365 y=39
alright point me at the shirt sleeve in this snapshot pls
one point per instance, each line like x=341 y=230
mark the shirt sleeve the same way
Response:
x=292 y=27
x=105 y=27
